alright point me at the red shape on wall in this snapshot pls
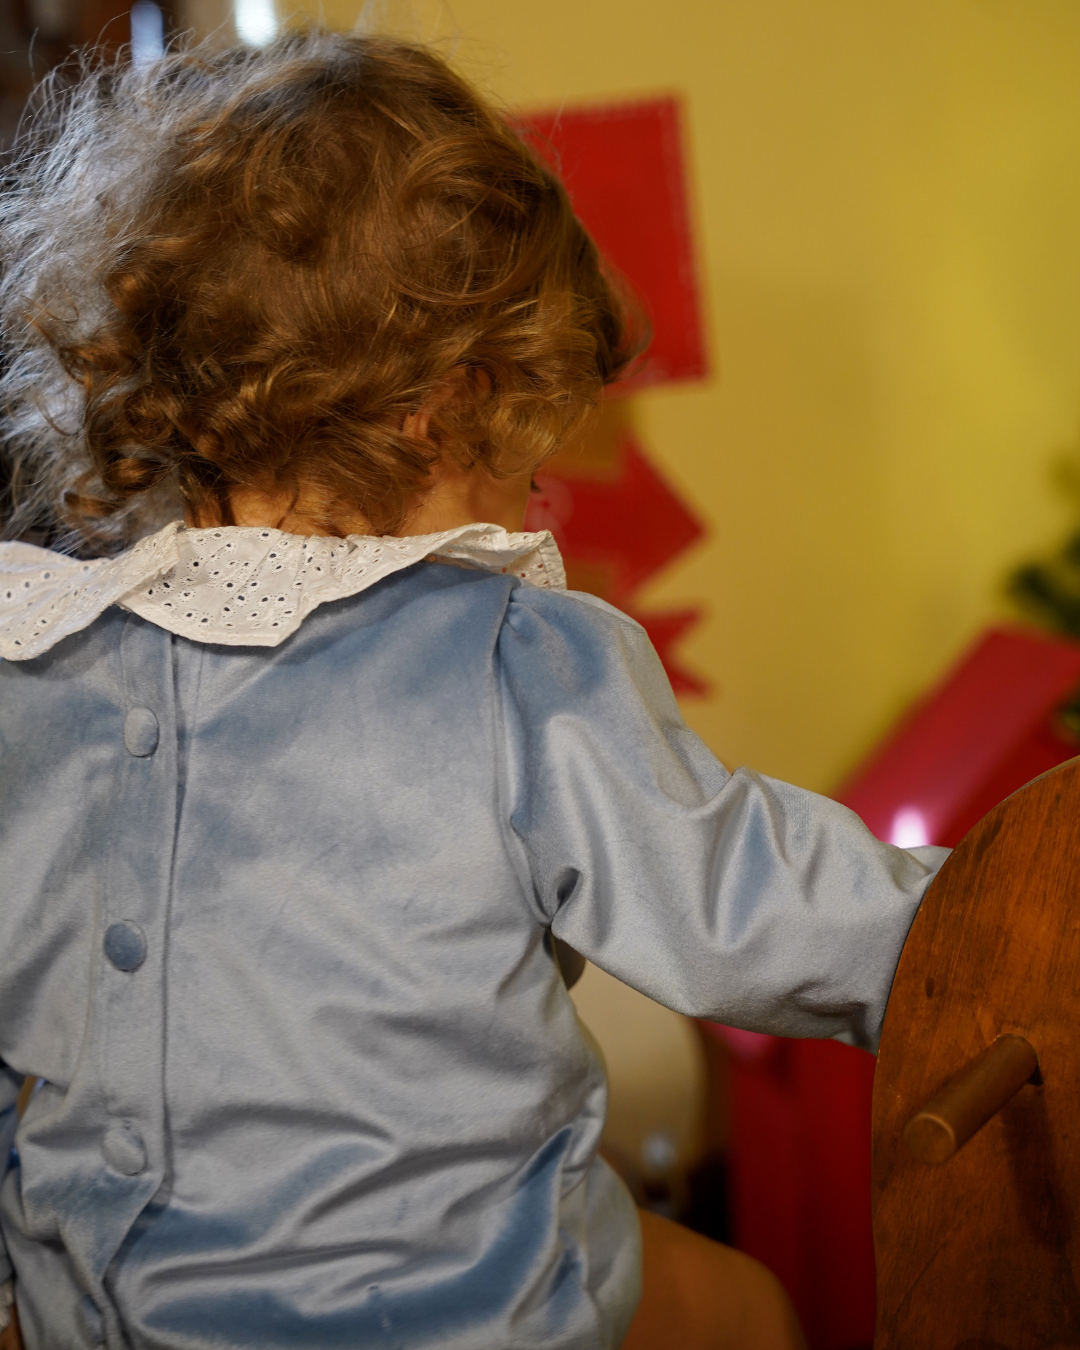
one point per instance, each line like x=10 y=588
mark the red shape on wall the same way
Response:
x=623 y=166
x=617 y=525
x=629 y=521
x=665 y=629
x=617 y=530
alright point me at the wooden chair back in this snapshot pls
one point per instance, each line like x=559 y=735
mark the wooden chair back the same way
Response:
x=982 y=1251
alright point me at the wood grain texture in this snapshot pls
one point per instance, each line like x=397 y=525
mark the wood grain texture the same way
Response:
x=983 y=1253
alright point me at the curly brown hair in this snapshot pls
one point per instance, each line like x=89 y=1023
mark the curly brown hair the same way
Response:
x=246 y=267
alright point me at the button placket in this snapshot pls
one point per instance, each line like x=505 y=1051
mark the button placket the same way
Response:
x=129 y=1026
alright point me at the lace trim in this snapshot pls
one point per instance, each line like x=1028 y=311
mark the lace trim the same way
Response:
x=236 y=585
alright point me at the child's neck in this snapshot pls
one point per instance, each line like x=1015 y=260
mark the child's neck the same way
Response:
x=457 y=497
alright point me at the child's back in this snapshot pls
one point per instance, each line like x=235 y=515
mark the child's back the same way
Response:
x=310 y=1077
x=286 y=825
x=274 y=935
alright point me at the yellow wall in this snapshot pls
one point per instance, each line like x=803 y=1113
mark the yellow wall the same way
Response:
x=888 y=203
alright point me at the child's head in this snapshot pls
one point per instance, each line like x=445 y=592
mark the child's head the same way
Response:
x=248 y=268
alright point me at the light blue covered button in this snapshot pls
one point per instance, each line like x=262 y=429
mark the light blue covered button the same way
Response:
x=91 y=1320
x=141 y=732
x=125 y=945
x=123 y=1149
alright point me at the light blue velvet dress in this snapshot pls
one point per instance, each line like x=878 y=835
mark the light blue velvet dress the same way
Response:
x=273 y=932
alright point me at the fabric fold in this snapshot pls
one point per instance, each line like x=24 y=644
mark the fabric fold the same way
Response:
x=10 y=1085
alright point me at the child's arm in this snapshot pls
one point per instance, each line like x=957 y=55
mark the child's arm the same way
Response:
x=732 y=897
x=10 y=1086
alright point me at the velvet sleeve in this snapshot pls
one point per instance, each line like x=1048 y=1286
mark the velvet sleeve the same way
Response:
x=733 y=897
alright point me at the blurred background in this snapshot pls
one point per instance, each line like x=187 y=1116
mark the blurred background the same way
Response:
x=841 y=495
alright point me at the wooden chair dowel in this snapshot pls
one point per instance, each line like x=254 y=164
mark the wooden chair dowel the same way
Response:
x=991 y=1079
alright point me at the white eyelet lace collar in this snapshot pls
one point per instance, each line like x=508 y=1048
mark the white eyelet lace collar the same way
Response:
x=238 y=585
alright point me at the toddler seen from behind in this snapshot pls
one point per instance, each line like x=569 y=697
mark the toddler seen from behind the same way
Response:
x=307 y=754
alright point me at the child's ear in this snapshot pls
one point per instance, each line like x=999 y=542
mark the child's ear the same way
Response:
x=417 y=425
x=465 y=383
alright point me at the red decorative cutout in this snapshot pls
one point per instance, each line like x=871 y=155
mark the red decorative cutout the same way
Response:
x=629 y=522
x=615 y=532
x=616 y=520
x=622 y=164
x=664 y=630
